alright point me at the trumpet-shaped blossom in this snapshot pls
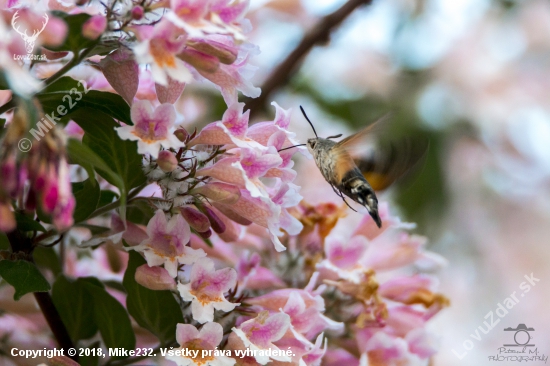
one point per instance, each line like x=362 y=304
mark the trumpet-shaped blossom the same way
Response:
x=206 y=290
x=167 y=243
x=206 y=339
x=159 y=46
x=154 y=278
x=152 y=128
x=260 y=332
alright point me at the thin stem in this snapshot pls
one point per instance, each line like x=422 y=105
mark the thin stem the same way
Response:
x=53 y=318
x=21 y=243
x=319 y=34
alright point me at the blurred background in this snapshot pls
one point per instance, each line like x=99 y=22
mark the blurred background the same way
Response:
x=474 y=77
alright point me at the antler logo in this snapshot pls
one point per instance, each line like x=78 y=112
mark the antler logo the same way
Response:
x=29 y=40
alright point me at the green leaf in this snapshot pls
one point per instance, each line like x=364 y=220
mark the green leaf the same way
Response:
x=87 y=195
x=26 y=223
x=24 y=277
x=107 y=197
x=82 y=154
x=156 y=311
x=75 y=306
x=47 y=258
x=121 y=156
x=73 y=95
x=111 y=319
x=75 y=40
x=140 y=212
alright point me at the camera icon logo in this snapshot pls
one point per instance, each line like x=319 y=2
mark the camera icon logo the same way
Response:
x=521 y=336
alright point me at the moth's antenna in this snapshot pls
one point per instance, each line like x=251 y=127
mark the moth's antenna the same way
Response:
x=311 y=124
x=290 y=147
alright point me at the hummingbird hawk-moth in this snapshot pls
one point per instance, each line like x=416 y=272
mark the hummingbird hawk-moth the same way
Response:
x=358 y=165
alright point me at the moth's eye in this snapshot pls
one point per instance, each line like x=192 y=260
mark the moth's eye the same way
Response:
x=312 y=144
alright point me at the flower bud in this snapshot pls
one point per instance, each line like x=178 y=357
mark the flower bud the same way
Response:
x=167 y=161
x=216 y=223
x=8 y=171
x=63 y=215
x=206 y=234
x=94 y=27
x=220 y=192
x=181 y=134
x=226 y=54
x=196 y=219
x=50 y=194
x=137 y=12
x=200 y=61
x=154 y=278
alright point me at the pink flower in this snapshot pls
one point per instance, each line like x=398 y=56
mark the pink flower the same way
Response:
x=305 y=308
x=230 y=79
x=245 y=170
x=206 y=288
x=154 y=278
x=152 y=128
x=166 y=243
x=343 y=257
x=158 y=46
x=207 y=339
x=231 y=129
x=260 y=333
x=94 y=27
x=130 y=232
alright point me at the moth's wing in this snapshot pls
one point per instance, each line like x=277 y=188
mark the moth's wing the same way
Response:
x=391 y=161
x=356 y=146
x=382 y=161
x=364 y=141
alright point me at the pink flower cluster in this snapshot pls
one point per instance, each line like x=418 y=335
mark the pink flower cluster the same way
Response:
x=39 y=179
x=193 y=39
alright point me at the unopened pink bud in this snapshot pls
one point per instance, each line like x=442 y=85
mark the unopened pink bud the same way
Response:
x=196 y=219
x=200 y=61
x=206 y=234
x=50 y=194
x=63 y=217
x=8 y=171
x=7 y=220
x=137 y=12
x=40 y=178
x=217 y=224
x=220 y=192
x=181 y=134
x=94 y=27
x=226 y=54
x=154 y=278
x=167 y=161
